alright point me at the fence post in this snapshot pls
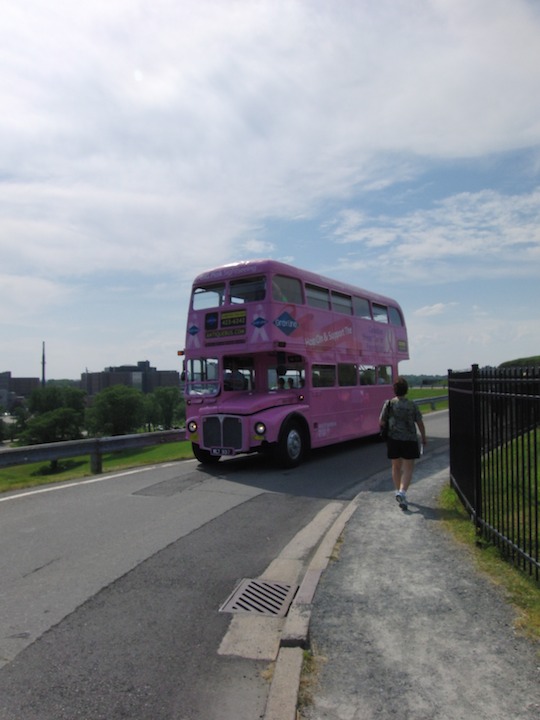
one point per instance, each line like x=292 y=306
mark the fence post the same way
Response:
x=477 y=449
x=96 y=461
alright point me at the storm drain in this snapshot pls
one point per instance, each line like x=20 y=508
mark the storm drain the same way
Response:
x=260 y=597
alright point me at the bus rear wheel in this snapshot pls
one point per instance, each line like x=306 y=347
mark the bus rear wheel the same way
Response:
x=204 y=456
x=291 y=446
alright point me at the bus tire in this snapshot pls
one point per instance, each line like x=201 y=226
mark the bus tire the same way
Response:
x=204 y=456
x=291 y=446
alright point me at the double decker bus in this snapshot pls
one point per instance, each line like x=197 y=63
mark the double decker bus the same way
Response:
x=281 y=360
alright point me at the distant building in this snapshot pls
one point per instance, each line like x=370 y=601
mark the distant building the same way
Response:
x=14 y=390
x=142 y=377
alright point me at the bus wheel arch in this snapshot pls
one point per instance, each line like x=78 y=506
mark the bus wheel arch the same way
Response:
x=293 y=444
x=205 y=457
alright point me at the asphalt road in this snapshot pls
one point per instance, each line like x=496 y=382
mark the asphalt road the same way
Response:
x=110 y=588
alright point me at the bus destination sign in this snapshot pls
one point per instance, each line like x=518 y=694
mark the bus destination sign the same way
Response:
x=232 y=323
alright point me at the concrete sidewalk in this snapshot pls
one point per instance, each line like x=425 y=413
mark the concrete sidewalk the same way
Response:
x=406 y=628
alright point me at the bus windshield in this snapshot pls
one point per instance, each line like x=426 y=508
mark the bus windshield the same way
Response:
x=202 y=376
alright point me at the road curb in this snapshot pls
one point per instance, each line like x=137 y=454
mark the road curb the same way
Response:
x=283 y=695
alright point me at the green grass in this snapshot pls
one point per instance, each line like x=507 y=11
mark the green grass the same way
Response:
x=419 y=393
x=511 y=503
x=519 y=588
x=34 y=474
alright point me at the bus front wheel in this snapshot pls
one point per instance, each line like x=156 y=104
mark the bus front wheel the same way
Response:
x=291 y=445
x=204 y=456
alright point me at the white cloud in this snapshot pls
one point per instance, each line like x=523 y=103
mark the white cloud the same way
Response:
x=189 y=121
x=156 y=138
x=489 y=234
x=431 y=310
x=485 y=340
x=23 y=298
x=259 y=247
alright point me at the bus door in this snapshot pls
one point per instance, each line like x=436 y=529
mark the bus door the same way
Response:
x=325 y=421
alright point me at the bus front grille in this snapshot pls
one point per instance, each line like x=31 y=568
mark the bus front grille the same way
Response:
x=212 y=432
x=223 y=432
x=232 y=433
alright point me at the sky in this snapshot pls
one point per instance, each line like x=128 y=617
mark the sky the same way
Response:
x=394 y=145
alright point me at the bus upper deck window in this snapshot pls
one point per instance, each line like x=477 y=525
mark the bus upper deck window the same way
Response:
x=287 y=289
x=247 y=290
x=380 y=313
x=395 y=316
x=342 y=303
x=318 y=297
x=208 y=296
x=361 y=307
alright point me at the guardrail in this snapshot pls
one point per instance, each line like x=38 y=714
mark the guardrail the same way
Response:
x=431 y=401
x=95 y=447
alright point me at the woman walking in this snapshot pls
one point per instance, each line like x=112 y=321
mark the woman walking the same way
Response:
x=400 y=416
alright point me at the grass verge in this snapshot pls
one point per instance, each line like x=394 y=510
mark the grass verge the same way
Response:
x=34 y=474
x=422 y=393
x=520 y=590
x=311 y=665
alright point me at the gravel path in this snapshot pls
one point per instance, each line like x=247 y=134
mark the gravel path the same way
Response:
x=407 y=627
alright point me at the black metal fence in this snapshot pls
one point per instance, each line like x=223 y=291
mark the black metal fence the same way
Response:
x=494 y=456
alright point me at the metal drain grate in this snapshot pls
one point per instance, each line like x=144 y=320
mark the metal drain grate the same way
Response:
x=260 y=597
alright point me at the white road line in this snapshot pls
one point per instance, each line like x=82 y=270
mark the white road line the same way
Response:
x=64 y=486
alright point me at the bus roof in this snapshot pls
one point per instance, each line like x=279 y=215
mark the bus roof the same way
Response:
x=265 y=265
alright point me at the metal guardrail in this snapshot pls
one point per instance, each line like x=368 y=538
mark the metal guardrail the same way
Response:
x=431 y=401
x=95 y=447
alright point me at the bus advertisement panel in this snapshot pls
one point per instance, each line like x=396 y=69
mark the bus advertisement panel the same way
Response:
x=280 y=360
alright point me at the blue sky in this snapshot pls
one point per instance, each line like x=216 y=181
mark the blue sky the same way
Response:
x=391 y=144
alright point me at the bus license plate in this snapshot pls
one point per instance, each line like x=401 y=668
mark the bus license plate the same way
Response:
x=220 y=451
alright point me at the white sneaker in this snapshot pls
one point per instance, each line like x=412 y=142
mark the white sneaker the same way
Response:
x=401 y=499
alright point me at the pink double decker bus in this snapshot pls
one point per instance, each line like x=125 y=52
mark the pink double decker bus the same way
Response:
x=281 y=360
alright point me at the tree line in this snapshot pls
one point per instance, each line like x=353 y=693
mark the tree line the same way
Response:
x=57 y=413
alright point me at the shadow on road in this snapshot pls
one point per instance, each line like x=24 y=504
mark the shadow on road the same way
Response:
x=335 y=472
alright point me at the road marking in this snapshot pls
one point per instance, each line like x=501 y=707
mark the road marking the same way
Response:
x=65 y=486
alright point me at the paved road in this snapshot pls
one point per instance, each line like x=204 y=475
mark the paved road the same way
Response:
x=110 y=588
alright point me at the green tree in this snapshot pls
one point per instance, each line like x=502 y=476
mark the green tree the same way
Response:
x=21 y=415
x=56 y=414
x=152 y=412
x=169 y=400
x=58 y=425
x=532 y=361
x=118 y=410
x=53 y=397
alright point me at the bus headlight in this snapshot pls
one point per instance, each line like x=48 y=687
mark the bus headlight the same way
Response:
x=192 y=426
x=260 y=428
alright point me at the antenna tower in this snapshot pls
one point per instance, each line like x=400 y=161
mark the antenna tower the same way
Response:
x=43 y=365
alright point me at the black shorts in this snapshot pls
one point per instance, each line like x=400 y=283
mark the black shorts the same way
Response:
x=406 y=449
